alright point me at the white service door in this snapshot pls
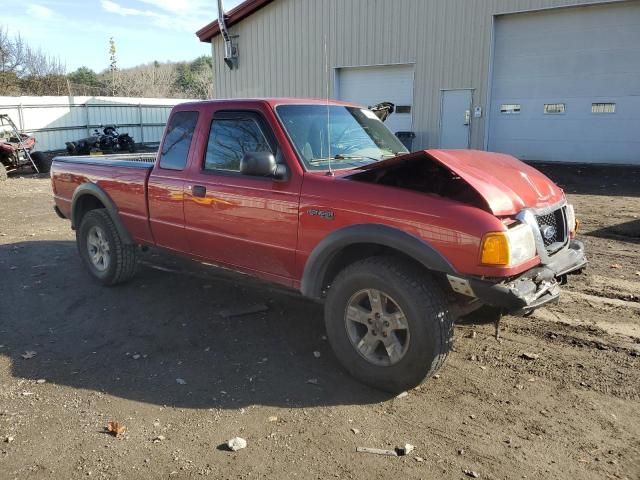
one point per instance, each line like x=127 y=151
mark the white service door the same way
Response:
x=368 y=86
x=455 y=118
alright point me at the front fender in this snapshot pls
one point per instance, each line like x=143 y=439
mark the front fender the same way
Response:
x=322 y=255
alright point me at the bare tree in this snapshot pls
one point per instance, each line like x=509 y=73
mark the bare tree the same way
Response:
x=153 y=80
x=202 y=84
x=23 y=67
x=23 y=60
x=27 y=70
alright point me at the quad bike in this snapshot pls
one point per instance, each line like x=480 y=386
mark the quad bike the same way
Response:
x=107 y=141
x=16 y=150
x=383 y=110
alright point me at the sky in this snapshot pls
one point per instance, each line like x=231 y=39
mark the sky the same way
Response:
x=78 y=31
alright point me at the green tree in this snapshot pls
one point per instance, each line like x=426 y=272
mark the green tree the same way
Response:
x=84 y=76
x=202 y=63
x=195 y=78
x=184 y=77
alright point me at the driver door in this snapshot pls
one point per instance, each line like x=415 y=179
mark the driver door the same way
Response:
x=244 y=222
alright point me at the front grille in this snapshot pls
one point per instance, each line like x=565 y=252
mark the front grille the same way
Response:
x=553 y=229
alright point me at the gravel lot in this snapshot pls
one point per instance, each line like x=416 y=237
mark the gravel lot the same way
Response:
x=159 y=356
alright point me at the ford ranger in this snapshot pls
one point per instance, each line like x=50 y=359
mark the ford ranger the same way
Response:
x=321 y=197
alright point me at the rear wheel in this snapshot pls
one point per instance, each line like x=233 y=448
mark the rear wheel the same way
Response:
x=388 y=323
x=42 y=161
x=109 y=259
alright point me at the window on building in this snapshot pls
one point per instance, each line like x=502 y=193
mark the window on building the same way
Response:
x=510 y=108
x=403 y=109
x=554 y=108
x=177 y=141
x=603 y=108
x=230 y=138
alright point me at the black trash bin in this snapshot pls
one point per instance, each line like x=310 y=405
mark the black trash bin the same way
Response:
x=406 y=138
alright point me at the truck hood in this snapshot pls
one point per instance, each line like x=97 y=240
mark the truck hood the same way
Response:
x=506 y=184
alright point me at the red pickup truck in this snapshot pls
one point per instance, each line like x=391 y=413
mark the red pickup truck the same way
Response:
x=321 y=197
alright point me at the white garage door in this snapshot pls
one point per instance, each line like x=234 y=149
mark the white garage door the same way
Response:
x=566 y=85
x=368 y=86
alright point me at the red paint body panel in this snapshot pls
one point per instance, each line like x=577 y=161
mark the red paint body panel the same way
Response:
x=453 y=229
x=126 y=187
x=263 y=227
x=506 y=184
x=166 y=211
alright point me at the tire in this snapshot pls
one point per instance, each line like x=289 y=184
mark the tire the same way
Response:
x=42 y=161
x=98 y=233
x=419 y=300
x=132 y=146
x=3 y=172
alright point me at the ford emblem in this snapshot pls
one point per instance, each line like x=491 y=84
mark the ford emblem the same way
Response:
x=548 y=231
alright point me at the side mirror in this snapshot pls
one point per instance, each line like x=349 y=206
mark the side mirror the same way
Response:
x=263 y=164
x=281 y=173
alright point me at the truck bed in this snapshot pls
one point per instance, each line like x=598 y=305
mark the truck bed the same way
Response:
x=123 y=177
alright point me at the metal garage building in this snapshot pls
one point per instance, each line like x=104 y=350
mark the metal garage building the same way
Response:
x=545 y=80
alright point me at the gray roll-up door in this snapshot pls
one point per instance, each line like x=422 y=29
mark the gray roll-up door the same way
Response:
x=368 y=86
x=566 y=85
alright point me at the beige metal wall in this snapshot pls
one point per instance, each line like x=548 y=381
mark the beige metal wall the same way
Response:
x=449 y=41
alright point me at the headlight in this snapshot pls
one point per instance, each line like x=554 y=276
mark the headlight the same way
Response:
x=509 y=248
x=572 y=223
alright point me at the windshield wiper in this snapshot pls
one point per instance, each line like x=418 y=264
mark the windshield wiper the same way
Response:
x=382 y=157
x=341 y=156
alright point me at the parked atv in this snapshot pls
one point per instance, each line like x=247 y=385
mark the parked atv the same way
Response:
x=118 y=142
x=109 y=140
x=16 y=150
x=383 y=110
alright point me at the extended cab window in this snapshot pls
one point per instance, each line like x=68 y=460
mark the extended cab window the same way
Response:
x=177 y=142
x=233 y=135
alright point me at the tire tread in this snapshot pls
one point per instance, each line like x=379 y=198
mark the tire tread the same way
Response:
x=124 y=253
x=423 y=285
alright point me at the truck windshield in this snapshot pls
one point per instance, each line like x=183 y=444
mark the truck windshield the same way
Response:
x=337 y=136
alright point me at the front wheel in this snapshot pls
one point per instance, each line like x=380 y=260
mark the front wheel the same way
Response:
x=388 y=323
x=108 y=258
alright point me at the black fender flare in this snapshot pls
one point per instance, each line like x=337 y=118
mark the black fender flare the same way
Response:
x=322 y=255
x=95 y=191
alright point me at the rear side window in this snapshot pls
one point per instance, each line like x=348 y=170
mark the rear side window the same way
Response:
x=177 y=141
x=230 y=138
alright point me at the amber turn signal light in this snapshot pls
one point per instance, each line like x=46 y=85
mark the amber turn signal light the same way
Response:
x=495 y=249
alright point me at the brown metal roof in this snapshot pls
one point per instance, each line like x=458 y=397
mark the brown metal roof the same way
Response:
x=242 y=11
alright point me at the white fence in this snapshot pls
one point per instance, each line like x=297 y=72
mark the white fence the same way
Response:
x=56 y=120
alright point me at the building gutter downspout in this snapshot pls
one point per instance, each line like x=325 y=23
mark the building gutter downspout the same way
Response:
x=230 y=50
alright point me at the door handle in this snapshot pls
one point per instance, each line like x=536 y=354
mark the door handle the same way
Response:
x=467 y=117
x=198 y=191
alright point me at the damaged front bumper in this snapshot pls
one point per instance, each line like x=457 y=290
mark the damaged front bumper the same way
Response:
x=532 y=289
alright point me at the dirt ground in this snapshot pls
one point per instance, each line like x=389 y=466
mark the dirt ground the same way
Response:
x=106 y=354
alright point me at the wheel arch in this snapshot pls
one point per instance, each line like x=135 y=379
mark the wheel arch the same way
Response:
x=90 y=196
x=350 y=244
